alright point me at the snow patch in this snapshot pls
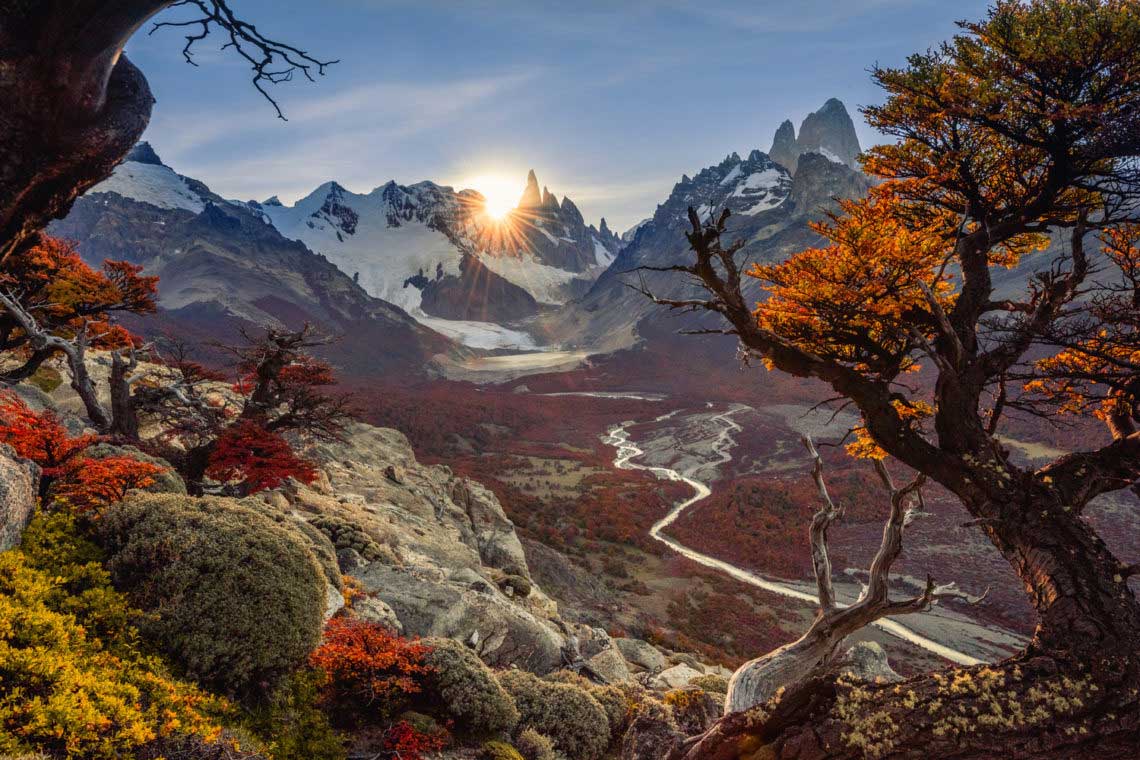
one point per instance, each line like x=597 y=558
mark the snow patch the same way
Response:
x=155 y=184
x=602 y=254
x=544 y=282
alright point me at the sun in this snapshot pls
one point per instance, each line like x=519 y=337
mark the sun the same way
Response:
x=501 y=194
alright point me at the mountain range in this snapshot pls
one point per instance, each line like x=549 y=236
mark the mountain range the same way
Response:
x=417 y=276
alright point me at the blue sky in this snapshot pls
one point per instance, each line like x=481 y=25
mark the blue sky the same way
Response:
x=609 y=102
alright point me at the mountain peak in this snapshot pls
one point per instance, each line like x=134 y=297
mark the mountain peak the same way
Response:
x=143 y=153
x=828 y=131
x=831 y=132
x=548 y=199
x=531 y=196
x=784 y=150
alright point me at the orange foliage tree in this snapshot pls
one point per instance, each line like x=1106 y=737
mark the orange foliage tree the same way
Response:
x=1021 y=133
x=86 y=483
x=52 y=302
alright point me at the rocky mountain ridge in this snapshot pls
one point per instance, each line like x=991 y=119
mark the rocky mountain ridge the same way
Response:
x=221 y=269
x=828 y=131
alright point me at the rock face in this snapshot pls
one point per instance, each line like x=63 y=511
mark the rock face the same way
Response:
x=447 y=551
x=784 y=149
x=831 y=132
x=19 y=486
x=828 y=132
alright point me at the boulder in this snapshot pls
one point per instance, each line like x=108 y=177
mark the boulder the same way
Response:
x=675 y=677
x=867 y=661
x=641 y=654
x=494 y=534
x=504 y=633
x=19 y=488
x=374 y=610
x=334 y=601
x=609 y=665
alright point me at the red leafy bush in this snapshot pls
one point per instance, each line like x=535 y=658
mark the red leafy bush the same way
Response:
x=368 y=670
x=260 y=459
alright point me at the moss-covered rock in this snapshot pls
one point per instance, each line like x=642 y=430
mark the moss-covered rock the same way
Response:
x=346 y=534
x=237 y=597
x=573 y=719
x=464 y=689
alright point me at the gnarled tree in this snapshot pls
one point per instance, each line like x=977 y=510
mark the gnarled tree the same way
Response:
x=73 y=105
x=1018 y=135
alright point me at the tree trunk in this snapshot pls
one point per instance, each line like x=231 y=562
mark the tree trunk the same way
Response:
x=124 y=415
x=72 y=105
x=1074 y=693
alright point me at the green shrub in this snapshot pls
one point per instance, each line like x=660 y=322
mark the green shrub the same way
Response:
x=617 y=700
x=499 y=751
x=463 y=688
x=238 y=598
x=711 y=683
x=292 y=726
x=535 y=746
x=573 y=719
x=346 y=534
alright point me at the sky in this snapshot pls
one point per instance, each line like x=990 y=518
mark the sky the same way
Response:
x=609 y=102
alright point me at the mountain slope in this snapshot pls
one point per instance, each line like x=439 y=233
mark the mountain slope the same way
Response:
x=222 y=268
x=769 y=209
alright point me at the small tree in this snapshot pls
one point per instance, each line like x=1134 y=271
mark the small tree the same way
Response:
x=282 y=389
x=51 y=302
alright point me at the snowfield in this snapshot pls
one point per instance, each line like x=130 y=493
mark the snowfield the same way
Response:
x=151 y=183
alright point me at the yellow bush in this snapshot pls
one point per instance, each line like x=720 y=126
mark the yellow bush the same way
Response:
x=72 y=680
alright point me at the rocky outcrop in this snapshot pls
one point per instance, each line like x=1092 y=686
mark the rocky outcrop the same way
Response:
x=867 y=661
x=819 y=181
x=784 y=150
x=19 y=487
x=675 y=677
x=450 y=563
x=641 y=654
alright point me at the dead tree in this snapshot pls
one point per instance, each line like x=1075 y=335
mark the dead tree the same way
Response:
x=792 y=665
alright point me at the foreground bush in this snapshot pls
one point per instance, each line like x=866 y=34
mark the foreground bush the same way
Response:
x=238 y=598
x=292 y=725
x=573 y=719
x=72 y=680
x=460 y=687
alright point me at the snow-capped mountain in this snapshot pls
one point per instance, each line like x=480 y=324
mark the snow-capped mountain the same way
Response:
x=222 y=268
x=770 y=206
x=434 y=252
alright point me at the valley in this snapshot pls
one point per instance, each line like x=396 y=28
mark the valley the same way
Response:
x=657 y=479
